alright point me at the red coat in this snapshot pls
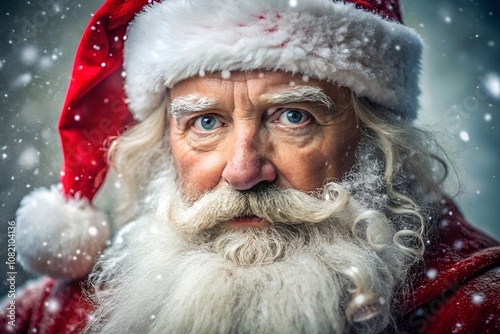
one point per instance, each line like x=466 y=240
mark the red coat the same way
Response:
x=457 y=290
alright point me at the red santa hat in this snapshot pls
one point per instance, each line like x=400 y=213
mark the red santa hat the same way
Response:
x=133 y=51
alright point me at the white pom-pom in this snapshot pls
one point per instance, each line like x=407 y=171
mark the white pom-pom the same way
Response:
x=59 y=237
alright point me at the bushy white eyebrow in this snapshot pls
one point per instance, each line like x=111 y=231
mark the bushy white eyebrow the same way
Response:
x=300 y=94
x=188 y=104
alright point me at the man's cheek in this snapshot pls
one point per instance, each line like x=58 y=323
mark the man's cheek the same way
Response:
x=200 y=174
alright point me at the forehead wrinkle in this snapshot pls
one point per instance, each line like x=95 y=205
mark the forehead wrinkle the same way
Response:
x=300 y=94
x=188 y=104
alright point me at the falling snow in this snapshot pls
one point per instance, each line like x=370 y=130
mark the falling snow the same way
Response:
x=457 y=328
x=52 y=305
x=464 y=136
x=492 y=84
x=92 y=231
x=431 y=274
x=29 y=55
x=477 y=298
x=225 y=74
x=29 y=158
x=45 y=62
x=458 y=245
x=23 y=80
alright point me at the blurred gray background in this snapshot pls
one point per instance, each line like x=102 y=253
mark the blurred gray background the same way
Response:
x=461 y=95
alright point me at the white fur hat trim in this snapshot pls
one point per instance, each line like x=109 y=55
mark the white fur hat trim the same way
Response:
x=334 y=41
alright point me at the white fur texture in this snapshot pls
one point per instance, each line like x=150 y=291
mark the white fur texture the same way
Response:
x=59 y=237
x=177 y=39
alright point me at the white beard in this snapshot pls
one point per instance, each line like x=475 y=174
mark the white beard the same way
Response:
x=157 y=279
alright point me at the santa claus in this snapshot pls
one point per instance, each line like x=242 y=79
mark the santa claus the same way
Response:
x=272 y=181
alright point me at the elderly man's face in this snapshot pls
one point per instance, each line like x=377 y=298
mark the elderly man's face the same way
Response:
x=260 y=126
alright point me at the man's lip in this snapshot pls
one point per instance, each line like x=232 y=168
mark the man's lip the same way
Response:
x=248 y=221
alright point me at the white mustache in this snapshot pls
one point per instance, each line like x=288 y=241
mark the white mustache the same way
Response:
x=275 y=205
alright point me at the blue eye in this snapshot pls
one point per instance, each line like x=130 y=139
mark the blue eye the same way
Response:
x=293 y=117
x=207 y=123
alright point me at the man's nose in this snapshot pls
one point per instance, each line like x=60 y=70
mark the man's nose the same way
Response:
x=248 y=163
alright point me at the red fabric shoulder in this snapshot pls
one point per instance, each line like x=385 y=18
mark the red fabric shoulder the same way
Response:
x=458 y=287
x=45 y=306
